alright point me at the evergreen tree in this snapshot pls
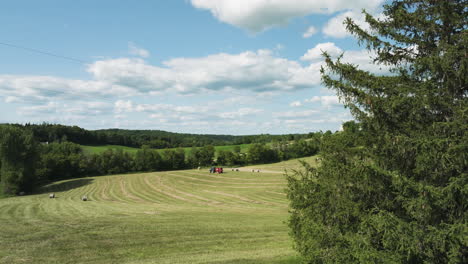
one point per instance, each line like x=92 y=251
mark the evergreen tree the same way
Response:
x=402 y=196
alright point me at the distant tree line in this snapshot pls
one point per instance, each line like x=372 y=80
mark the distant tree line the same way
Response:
x=139 y=138
x=26 y=160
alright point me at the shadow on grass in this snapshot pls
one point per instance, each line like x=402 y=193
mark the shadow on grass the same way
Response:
x=285 y=260
x=64 y=186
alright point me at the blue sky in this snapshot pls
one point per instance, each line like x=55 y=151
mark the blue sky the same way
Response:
x=198 y=66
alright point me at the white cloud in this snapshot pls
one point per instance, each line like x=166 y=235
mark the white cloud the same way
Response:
x=255 y=71
x=279 y=47
x=295 y=104
x=335 y=27
x=296 y=114
x=259 y=15
x=363 y=58
x=122 y=106
x=185 y=109
x=43 y=88
x=120 y=116
x=12 y=99
x=77 y=110
x=260 y=72
x=315 y=53
x=51 y=107
x=327 y=100
x=134 y=50
x=240 y=113
x=309 y=32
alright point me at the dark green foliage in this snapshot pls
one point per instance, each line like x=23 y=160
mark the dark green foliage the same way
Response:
x=229 y=158
x=174 y=159
x=148 y=160
x=115 y=162
x=259 y=153
x=24 y=163
x=59 y=161
x=201 y=156
x=394 y=189
x=139 y=138
x=303 y=148
x=18 y=155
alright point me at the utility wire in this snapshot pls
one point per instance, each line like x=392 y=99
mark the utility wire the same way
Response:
x=82 y=61
x=42 y=52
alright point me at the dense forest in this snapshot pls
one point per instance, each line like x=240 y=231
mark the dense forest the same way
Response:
x=139 y=138
x=28 y=159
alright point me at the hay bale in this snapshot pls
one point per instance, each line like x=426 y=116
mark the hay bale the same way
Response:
x=21 y=193
x=52 y=195
x=84 y=198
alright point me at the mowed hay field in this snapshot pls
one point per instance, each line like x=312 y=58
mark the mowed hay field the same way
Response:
x=186 y=216
x=288 y=165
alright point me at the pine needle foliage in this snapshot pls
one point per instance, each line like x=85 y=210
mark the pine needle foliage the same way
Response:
x=401 y=196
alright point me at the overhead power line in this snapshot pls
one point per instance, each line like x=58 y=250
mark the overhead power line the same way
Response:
x=42 y=52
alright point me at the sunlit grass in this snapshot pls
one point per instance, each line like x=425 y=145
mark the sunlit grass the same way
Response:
x=186 y=216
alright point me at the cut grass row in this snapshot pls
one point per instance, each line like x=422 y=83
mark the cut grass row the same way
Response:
x=185 y=216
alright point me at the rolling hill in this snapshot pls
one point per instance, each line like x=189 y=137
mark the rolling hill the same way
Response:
x=185 y=216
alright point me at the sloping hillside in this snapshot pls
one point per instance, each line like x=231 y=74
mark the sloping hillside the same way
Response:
x=165 y=217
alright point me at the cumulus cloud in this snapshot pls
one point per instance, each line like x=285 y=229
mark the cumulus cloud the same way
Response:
x=315 y=53
x=327 y=100
x=240 y=113
x=12 y=99
x=76 y=109
x=309 y=32
x=363 y=58
x=335 y=27
x=122 y=106
x=42 y=88
x=259 y=15
x=254 y=71
x=308 y=120
x=185 y=113
x=186 y=109
x=134 y=50
x=295 y=104
x=296 y=114
x=261 y=72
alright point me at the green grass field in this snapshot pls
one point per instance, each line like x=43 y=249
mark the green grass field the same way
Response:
x=287 y=165
x=186 y=216
x=100 y=149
